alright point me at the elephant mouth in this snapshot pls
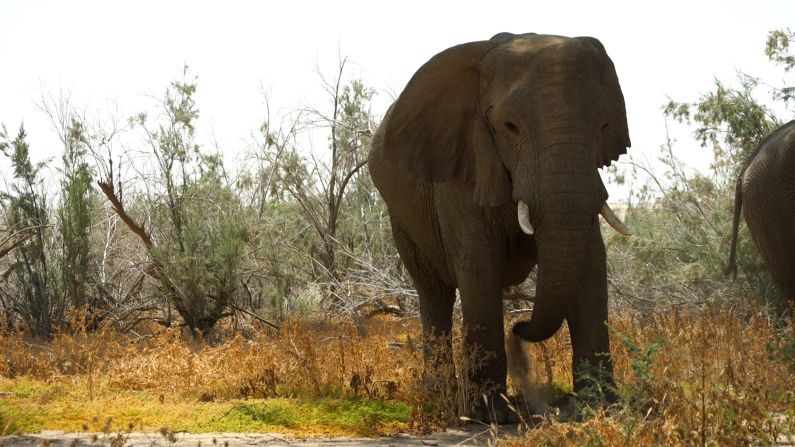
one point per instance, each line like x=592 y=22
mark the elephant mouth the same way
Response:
x=523 y=215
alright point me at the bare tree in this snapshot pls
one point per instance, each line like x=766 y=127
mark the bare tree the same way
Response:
x=320 y=186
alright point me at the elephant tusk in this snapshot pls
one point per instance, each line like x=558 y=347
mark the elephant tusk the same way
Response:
x=524 y=217
x=614 y=221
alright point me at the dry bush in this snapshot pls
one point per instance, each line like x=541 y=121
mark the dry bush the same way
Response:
x=73 y=354
x=710 y=378
x=312 y=359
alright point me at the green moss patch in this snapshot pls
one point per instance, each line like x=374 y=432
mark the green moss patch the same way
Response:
x=345 y=415
x=31 y=407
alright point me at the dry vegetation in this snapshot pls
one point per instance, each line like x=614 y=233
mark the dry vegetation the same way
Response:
x=720 y=378
x=711 y=379
x=303 y=362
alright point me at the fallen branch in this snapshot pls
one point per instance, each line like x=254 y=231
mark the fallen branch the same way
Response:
x=252 y=314
x=519 y=296
x=386 y=309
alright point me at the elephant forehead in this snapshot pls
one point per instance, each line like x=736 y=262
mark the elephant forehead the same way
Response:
x=540 y=57
x=530 y=45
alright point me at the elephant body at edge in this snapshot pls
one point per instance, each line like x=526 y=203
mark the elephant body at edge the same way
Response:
x=765 y=193
x=488 y=163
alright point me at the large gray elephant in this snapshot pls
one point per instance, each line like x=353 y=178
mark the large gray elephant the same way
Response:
x=488 y=162
x=766 y=189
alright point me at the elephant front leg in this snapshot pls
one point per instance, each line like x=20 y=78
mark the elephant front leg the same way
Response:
x=587 y=320
x=484 y=360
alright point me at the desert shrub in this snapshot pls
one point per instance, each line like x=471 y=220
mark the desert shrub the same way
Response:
x=78 y=269
x=34 y=296
x=196 y=226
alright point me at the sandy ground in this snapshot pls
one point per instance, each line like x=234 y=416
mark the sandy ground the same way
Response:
x=472 y=435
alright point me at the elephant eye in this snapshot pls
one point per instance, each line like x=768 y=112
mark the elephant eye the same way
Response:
x=511 y=127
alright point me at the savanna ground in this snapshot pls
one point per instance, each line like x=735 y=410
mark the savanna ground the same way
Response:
x=721 y=377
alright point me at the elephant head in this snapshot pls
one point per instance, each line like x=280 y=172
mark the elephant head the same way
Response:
x=526 y=120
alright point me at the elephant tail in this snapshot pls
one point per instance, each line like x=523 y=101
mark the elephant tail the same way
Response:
x=731 y=269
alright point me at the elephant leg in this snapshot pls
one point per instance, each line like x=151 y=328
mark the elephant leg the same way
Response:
x=773 y=233
x=587 y=321
x=481 y=304
x=779 y=258
x=436 y=311
x=484 y=342
x=777 y=247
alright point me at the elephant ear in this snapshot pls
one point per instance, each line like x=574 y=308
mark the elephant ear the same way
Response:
x=435 y=131
x=615 y=135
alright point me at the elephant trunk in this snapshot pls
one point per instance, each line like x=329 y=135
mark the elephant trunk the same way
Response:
x=570 y=196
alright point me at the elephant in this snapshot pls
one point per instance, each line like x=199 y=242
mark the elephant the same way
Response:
x=766 y=189
x=488 y=164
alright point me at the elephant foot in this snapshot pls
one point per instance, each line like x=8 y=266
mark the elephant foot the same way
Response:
x=494 y=410
x=566 y=409
x=571 y=408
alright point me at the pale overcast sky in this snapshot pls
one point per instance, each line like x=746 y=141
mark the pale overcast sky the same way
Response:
x=124 y=50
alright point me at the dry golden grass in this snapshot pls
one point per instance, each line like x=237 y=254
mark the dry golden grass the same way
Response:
x=167 y=378
x=709 y=379
x=308 y=359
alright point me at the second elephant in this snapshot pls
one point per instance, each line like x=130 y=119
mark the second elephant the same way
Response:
x=766 y=192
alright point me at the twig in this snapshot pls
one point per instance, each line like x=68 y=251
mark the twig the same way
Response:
x=236 y=407
x=252 y=314
x=386 y=309
x=21 y=240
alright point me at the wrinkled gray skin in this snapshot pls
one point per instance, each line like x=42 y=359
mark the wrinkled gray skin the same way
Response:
x=479 y=127
x=766 y=191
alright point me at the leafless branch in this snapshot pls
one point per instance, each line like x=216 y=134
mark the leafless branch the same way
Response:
x=108 y=189
x=156 y=269
x=31 y=231
x=255 y=316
